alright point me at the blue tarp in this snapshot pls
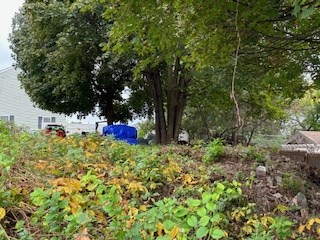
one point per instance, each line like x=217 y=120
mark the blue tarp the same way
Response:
x=122 y=132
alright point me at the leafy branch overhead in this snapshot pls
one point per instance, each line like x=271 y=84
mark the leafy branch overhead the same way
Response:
x=79 y=56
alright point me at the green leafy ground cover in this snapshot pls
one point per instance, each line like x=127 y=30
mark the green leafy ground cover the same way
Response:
x=96 y=188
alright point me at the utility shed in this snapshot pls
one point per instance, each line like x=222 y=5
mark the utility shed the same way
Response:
x=304 y=146
x=305 y=137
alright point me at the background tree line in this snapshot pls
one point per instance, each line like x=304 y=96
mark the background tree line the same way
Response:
x=180 y=61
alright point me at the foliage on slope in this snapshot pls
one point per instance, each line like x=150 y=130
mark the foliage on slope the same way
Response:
x=97 y=188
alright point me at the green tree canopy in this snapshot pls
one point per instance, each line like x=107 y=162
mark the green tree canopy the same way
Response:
x=257 y=50
x=57 y=47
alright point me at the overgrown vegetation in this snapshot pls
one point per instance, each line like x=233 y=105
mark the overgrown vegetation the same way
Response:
x=53 y=188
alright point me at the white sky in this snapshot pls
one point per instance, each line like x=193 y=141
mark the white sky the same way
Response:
x=7 y=10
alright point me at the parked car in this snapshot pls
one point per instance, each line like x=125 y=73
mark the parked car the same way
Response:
x=56 y=129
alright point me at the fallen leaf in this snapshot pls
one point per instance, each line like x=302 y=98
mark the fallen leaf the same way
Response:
x=2 y=213
x=83 y=235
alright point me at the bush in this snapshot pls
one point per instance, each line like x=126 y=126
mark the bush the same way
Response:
x=214 y=150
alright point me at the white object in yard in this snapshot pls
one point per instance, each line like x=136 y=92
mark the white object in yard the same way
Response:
x=183 y=137
x=261 y=171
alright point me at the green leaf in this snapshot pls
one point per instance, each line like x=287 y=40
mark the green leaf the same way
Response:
x=202 y=211
x=306 y=12
x=38 y=196
x=220 y=187
x=63 y=203
x=83 y=218
x=192 y=221
x=204 y=221
x=20 y=224
x=193 y=202
x=168 y=225
x=165 y=237
x=215 y=218
x=100 y=189
x=56 y=196
x=215 y=196
x=206 y=197
x=217 y=233
x=201 y=232
x=181 y=212
x=211 y=206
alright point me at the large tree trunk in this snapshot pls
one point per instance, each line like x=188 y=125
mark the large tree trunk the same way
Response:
x=109 y=110
x=154 y=82
x=177 y=87
x=168 y=123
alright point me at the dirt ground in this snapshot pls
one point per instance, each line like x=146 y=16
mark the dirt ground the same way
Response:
x=284 y=179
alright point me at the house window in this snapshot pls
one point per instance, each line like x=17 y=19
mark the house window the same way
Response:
x=7 y=118
x=44 y=120
x=47 y=119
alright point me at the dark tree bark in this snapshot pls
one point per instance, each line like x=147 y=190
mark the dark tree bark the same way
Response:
x=168 y=122
x=154 y=81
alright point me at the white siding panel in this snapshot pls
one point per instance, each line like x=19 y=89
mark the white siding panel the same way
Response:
x=14 y=101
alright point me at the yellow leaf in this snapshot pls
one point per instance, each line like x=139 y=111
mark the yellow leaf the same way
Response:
x=187 y=178
x=133 y=211
x=173 y=233
x=2 y=213
x=281 y=208
x=247 y=229
x=91 y=213
x=143 y=208
x=81 y=144
x=68 y=185
x=144 y=234
x=301 y=228
x=92 y=146
x=88 y=154
x=77 y=198
x=271 y=220
x=101 y=218
x=136 y=186
x=153 y=186
x=264 y=221
x=317 y=220
x=92 y=186
x=310 y=223
x=74 y=207
x=129 y=223
x=160 y=228
x=252 y=221
x=318 y=231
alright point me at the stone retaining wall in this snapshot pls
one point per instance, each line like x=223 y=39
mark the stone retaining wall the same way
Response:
x=303 y=156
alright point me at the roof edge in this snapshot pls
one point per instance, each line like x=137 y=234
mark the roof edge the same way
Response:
x=6 y=69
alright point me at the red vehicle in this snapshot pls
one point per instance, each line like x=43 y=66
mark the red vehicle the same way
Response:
x=56 y=129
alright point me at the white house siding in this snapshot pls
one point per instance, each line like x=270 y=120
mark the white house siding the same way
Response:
x=15 y=102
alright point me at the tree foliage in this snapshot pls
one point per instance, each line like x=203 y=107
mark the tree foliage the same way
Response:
x=57 y=47
x=304 y=113
x=276 y=47
x=183 y=54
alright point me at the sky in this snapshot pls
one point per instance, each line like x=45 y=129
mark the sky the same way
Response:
x=8 y=8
